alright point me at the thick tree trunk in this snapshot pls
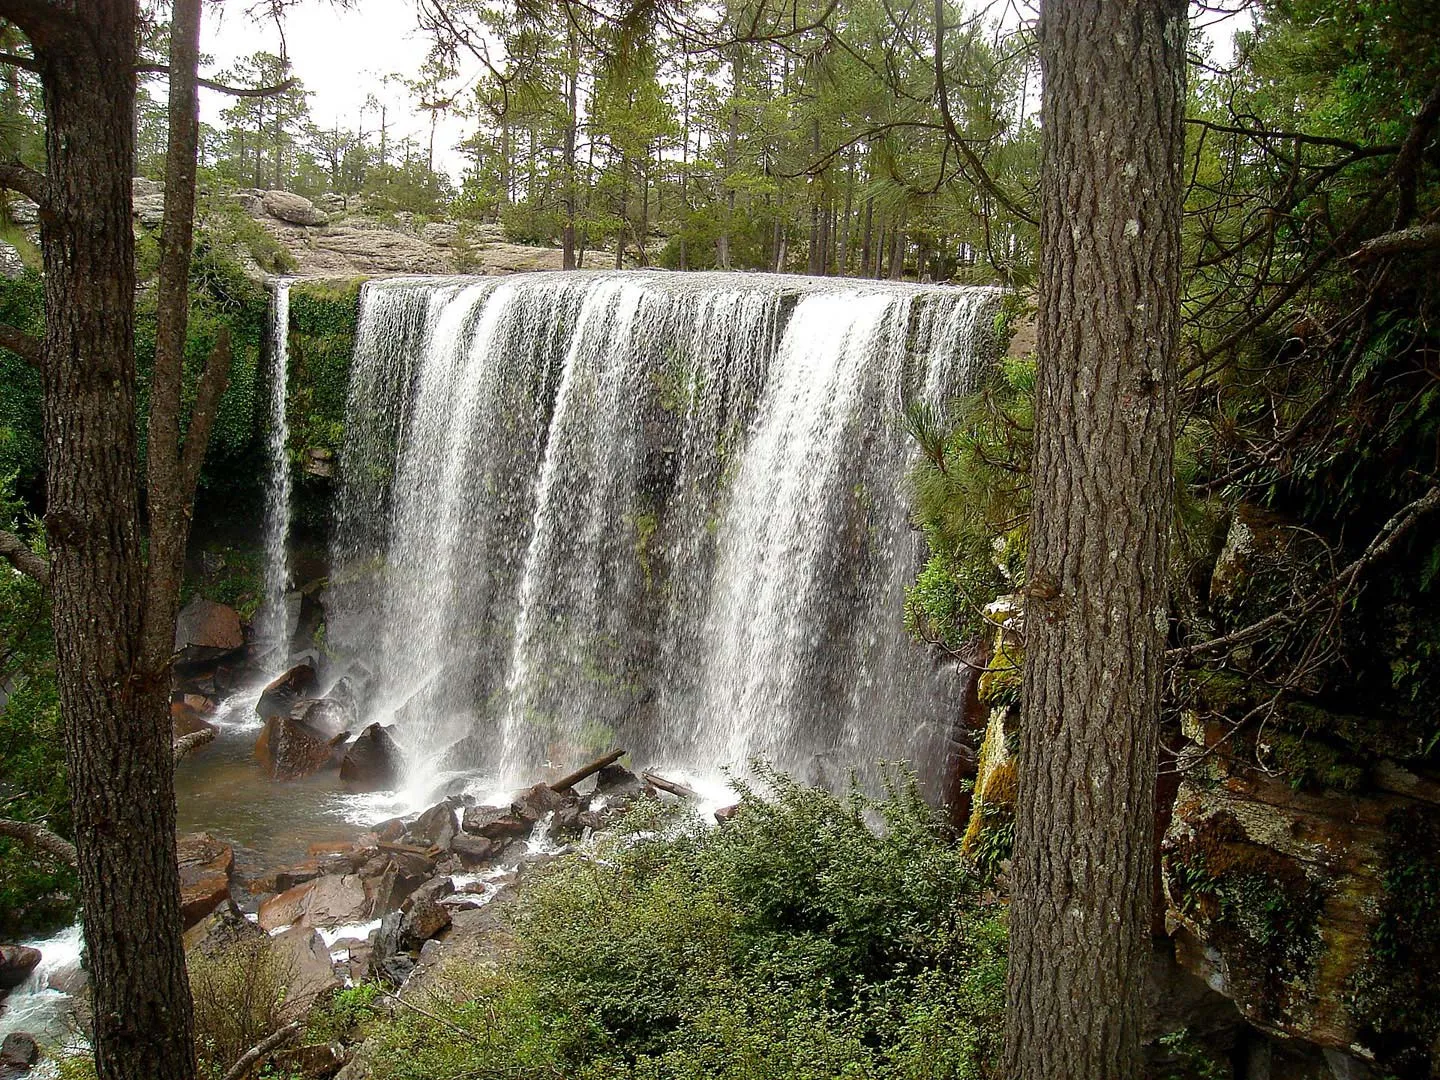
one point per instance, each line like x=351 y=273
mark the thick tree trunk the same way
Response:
x=115 y=716
x=1096 y=619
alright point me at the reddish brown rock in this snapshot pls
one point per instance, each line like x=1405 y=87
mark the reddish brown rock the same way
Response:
x=185 y=719
x=284 y=909
x=204 y=622
x=16 y=963
x=206 y=865
x=290 y=749
x=373 y=762
x=280 y=696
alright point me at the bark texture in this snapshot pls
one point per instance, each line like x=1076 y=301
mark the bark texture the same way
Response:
x=1096 y=615
x=116 y=720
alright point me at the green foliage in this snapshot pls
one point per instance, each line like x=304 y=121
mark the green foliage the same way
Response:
x=972 y=500
x=239 y=992
x=36 y=894
x=22 y=305
x=796 y=943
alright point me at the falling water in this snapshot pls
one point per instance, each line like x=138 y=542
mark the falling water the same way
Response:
x=273 y=621
x=660 y=511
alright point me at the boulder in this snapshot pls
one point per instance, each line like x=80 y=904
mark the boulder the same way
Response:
x=440 y=233
x=16 y=963
x=372 y=762
x=725 y=813
x=280 y=696
x=318 y=461
x=221 y=931
x=325 y=716
x=435 y=826
x=292 y=209
x=12 y=266
x=336 y=900
x=425 y=918
x=330 y=202
x=148 y=201
x=467 y=753
x=284 y=909
x=534 y=803
x=206 y=865
x=303 y=955
x=204 y=622
x=474 y=850
x=186 y=719
x=210 y=672
x=289 y=749
x=495 y=822
x=619 y=782
x=18 y=1054
x=23 y=211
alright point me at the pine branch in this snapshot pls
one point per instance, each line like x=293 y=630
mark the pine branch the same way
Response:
x=223 y=88
x=18 y=554
x=26 y=346
x=18 y=176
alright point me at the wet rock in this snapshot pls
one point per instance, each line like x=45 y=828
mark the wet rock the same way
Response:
x=336 y=900
x=16 y=963
x=373 y=762
x=390 y=830
x=619 y=782
x=388 y=961
x=292 y=209
x=302 y=952
x=324 y=715
x=284 y=909
x=206 y=865
x=18 y=1054
x=210 y=672
x=318 y=461
x=534 y=803
x=290 y=750
x=435 y=826
x=186 y=719
x=495 y=822
x=468 y=753
x=474 y=850
x=319 y=1062
x=725 y=813
x=204 y=622
x=281 y=695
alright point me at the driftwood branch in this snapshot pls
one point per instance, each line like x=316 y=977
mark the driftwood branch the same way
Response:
x=671 y=786
x=1399 y=242
x=565 y=783
x=16 y=552
x=41 y=839
x=209 y=84
x=26 y=346
x=268 y=1045
x=188 y=744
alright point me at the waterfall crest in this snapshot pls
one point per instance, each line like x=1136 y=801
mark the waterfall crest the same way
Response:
x=654 y=510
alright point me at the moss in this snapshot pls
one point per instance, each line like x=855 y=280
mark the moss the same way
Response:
x=1259 y=907
x=1392 y=995
x=1001 y=682
x=990 y=835
x=1309 y=763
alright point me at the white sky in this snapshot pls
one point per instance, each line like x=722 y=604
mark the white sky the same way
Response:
x=342 y=55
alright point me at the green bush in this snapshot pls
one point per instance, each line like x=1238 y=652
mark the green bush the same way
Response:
x=797 y=942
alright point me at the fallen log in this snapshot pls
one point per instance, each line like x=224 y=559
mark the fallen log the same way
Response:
x=565 y=783
x=669 y=785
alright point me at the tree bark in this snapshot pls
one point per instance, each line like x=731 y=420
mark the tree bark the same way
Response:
x=1103 y=471
x=116 y=721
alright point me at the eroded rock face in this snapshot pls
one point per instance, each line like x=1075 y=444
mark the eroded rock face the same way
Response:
x=373 y=761
x=206 y=866
x=1316 y=910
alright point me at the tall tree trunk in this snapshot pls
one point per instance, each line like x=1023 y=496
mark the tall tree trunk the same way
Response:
x=732 y=143
x=572 y=120
x=867 y=244
x=115 y=717
x=1096 y=617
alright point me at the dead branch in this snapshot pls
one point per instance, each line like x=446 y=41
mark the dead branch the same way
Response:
x=671 y=786
x=565 y=783
x=260 y=1049
x=1400 y=242
x=41 y=839
x=1337 y=590
x=222 y=88
x=188 y=744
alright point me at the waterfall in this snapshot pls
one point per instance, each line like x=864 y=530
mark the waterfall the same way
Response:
x=661 y=511
x=273 y=621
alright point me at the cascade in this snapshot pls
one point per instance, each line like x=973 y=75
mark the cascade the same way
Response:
x=663 y=511
x=273 y=620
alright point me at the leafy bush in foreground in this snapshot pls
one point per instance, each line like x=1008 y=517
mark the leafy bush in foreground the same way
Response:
x=795 y=943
